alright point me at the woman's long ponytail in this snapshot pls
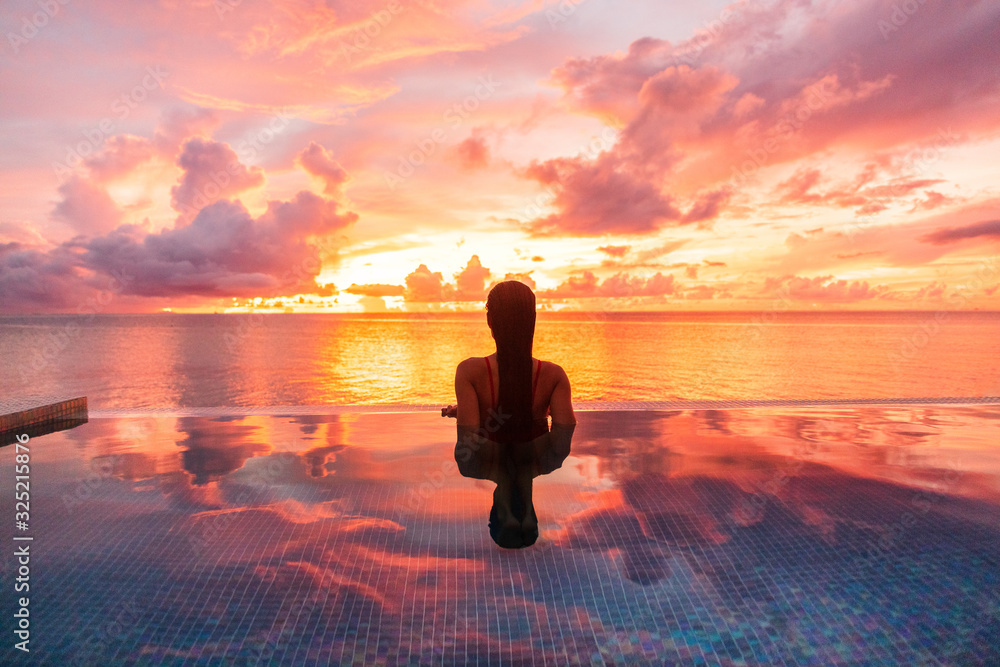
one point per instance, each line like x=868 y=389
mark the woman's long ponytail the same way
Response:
x=511 y=305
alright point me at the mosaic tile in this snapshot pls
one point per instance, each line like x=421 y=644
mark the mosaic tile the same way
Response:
x=252 y=540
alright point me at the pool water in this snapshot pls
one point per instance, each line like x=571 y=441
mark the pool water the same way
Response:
x=805 y=536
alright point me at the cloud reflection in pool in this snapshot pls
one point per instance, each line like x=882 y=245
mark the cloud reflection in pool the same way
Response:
x=765 y=535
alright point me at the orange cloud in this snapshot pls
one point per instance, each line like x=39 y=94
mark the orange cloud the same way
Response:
x=425 y=286
x=376 y=290
x=473 y=152
x=320 y=163
x=615 y=250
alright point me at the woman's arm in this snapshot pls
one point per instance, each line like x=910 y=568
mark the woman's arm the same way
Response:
x=551 y=449
x=467 y=411
x=477 y=456
x=561 y=403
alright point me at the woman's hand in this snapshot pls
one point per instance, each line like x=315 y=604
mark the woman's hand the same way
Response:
x=450 y=411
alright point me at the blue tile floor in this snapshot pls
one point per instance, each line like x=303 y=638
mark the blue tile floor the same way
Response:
x=798 y=536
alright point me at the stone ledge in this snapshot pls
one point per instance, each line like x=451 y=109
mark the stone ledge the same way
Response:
x=42 y=419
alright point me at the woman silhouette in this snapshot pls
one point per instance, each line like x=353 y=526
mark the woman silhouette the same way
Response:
x=503 y=405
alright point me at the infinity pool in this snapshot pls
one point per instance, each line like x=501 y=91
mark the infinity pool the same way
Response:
x=812 y=536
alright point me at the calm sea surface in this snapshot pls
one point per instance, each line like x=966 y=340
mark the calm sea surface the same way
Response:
x=169 y=360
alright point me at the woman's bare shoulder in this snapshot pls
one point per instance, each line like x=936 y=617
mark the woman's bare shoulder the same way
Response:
x=553 y=375
x=554 y=369
x=466 y=366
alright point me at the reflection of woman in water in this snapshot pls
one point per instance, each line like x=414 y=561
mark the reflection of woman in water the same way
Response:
x=503 y=405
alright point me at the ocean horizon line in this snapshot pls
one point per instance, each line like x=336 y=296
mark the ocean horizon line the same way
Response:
x=477 y=312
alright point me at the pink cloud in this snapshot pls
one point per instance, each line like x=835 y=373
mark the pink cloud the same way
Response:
x=177 y=125
x=619 y=191
x=573 y=287
x=776 y=85
x=522 y=277
x=823 y=288
x=904 y=244
x=320 y=163
x=24 y=234
x=473 y=152
x=653 y=257
x=932 y=201
x=87 y=207
x=31 y=280
x=599 y=198
x=86 y=204
x=707 y=205
x=987 y=228
x=470 y=281
x=606 y=85
x=800 y=188
x=796 y=189
x=747 y=104
x=932 y=292
x=673 y=105
x=224 y=251
x=121 y=154
x=211 y=172
x=619 y=285
x=701 y=292
x=426 y=286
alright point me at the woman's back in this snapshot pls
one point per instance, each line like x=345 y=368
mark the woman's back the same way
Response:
x=550 y=393
x=488 y=392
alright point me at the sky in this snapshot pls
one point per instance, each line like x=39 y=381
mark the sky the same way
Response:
x=355 y=156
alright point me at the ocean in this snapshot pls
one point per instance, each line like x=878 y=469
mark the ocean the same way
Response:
x=183 y=360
